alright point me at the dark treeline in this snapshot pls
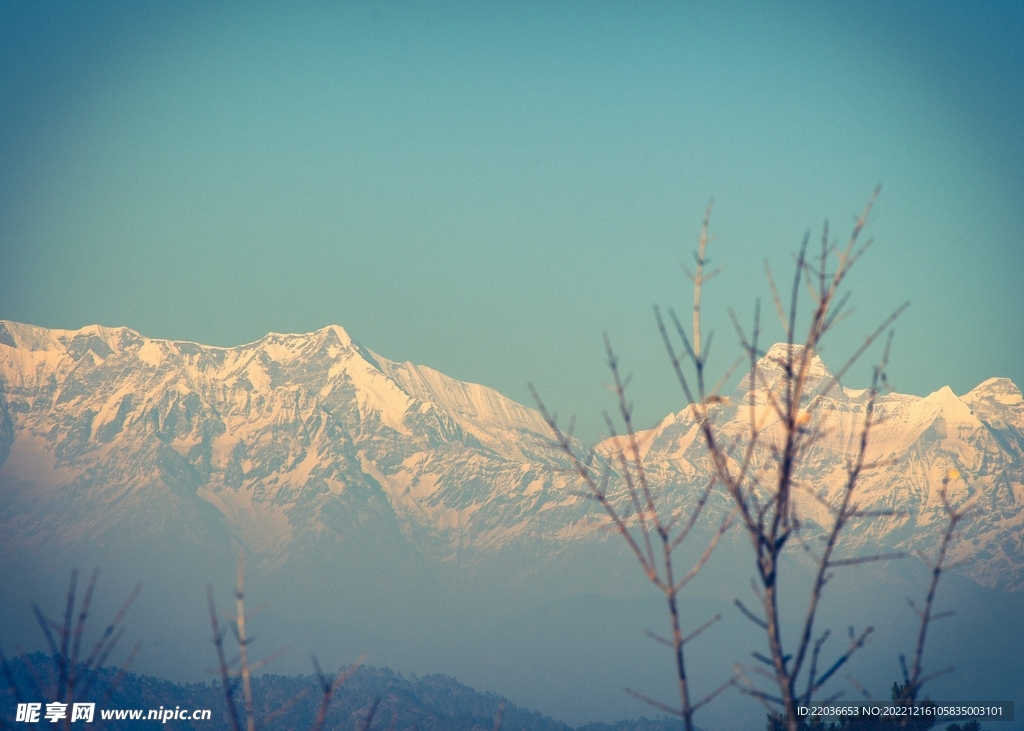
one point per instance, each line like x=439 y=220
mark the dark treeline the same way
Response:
x=428 y=703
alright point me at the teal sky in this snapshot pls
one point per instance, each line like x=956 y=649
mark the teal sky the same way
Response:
x=486 y=187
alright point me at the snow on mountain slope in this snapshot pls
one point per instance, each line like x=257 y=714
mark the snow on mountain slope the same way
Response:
x=916 y=441
x=288 y=438
x=300 y=442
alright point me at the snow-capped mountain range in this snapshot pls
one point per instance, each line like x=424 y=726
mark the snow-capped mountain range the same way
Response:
x=298 y=442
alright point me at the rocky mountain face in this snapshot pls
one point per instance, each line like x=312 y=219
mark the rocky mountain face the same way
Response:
x=290 y=441
x=914 y=443
x=300 y=442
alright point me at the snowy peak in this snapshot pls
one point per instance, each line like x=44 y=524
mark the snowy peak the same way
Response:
x=784 y=363
x=73 y=342
x=334 y=334
x=1002 y=390
x=945 y=404
x=997 y=402
x=781 y=355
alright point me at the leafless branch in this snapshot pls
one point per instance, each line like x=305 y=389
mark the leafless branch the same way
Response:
x=700 y=630
x=328 y=690
x=655 y=704
x=953 y=518
x=227 y=686
x=750 y=615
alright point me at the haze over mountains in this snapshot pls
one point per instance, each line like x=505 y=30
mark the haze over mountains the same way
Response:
x=407 y=498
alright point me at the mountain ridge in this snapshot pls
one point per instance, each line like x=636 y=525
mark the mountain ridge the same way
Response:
x=302 y=434
x=384 y=507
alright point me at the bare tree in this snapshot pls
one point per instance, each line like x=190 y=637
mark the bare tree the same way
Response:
x=231 y=676
x=761 y=469
x=652 y=533
x=761 y=472
x=75 y=675
x=914 y=678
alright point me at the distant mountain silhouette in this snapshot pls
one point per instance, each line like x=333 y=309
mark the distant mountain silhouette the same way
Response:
x=428 y=703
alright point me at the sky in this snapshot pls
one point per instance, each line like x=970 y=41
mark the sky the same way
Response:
x=486 y=188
